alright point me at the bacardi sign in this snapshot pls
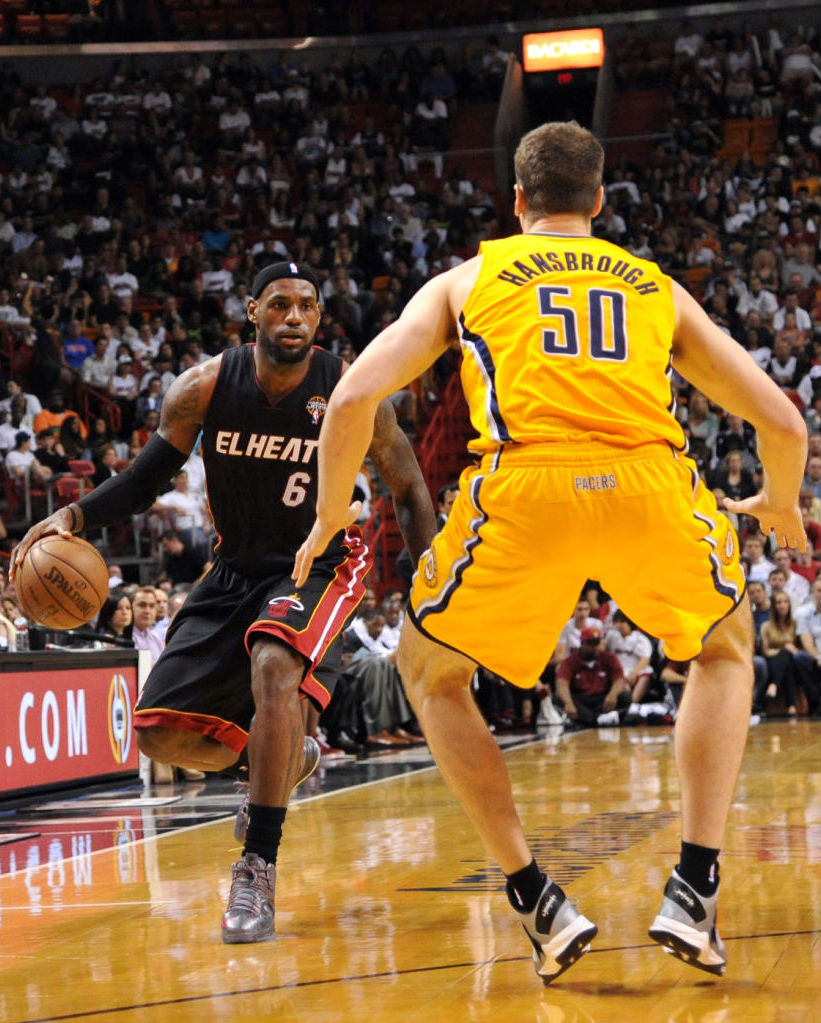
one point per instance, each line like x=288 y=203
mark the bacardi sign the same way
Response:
x=556 y=51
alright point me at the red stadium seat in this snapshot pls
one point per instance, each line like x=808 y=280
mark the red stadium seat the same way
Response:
x=67 y=489
x=81 y=466
x=29 y=27
x=57 y=26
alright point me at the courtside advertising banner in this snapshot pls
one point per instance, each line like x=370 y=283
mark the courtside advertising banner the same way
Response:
x=560 y=51
x=61 y=726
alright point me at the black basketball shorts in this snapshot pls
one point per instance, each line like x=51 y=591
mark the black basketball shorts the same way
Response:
x=202 y=680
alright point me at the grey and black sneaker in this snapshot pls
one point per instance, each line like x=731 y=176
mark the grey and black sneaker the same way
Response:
x=310 y=758
x=686 y=927
x=250 y=912
x=558 y=932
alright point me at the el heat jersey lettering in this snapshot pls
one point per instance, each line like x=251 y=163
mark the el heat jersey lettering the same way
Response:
x=261 y=461
x=265 y=445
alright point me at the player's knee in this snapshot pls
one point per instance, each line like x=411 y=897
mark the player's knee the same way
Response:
x=185 y=749
x=404 y=665
x=414 y=686
x=442 y=679
x=275 y=669
x=162 y=744
x=426 y=668
x=732 y=639
x=415 y=680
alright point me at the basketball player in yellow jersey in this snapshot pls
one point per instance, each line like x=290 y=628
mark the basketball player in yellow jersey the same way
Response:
x=568 y=344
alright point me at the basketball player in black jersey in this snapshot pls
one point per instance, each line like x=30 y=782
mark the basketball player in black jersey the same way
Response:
x=247 y=644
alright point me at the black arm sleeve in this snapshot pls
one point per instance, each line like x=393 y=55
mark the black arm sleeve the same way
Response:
x=135 y=489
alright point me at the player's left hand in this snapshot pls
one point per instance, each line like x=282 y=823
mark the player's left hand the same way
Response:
x=317 y=540
x=785 y=523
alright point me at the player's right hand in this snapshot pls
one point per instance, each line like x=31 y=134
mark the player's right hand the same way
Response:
x=318 y=539
x=58 y=522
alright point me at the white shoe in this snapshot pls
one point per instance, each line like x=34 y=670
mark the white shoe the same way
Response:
x=549 y=715
x=686 y=927
x=609 y=718
x=557 y=931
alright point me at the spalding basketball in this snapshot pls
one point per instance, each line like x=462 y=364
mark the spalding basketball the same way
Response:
x=61 y=583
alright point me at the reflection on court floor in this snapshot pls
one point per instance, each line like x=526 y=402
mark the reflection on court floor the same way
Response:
x=387 y=907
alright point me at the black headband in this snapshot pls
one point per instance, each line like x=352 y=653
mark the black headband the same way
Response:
x=275 y=271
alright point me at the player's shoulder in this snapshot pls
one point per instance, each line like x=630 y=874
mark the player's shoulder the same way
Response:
x=457 y=283
x=191 y=391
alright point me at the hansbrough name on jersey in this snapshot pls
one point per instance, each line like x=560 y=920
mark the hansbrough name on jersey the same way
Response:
x=568 y=338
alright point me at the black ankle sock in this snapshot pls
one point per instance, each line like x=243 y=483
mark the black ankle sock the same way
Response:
x=699 y=868
x=524 y=887
x=264 y=831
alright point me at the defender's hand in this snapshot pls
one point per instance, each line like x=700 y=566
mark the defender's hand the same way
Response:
x=317 y=540
x=785 y=523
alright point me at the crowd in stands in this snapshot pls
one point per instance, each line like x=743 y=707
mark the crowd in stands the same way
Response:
x=743 y=234
x=135 y=210
x=84 y=21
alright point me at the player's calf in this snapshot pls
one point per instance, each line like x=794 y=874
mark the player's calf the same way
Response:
x=311 y=753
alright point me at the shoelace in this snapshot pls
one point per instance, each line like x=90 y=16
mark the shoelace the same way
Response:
x=249 y=886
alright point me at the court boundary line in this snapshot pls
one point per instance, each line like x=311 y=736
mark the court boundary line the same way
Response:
x=299 y=802
x=221 y=819
x=357 y=978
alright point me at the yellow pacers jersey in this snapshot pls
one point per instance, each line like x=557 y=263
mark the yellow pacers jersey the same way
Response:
x=568 y=338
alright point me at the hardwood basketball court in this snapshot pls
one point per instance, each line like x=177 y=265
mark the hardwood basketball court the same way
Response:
x=387 y=908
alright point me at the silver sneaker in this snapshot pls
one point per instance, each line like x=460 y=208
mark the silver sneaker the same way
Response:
x=686 y=927
x=250 y=912
x=560 y=935
x=311 y=753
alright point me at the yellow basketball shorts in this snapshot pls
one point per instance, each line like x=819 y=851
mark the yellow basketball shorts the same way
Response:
x=531 y=524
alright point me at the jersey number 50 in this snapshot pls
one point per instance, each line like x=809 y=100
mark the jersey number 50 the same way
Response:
x=607 y=330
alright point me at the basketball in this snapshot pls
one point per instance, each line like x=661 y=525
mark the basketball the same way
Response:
x=62 y=583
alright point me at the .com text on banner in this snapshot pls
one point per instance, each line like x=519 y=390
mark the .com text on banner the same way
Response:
x=67 y=725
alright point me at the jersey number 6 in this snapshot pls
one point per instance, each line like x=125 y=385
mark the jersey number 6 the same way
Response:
x=606 y=318
x=296 y=489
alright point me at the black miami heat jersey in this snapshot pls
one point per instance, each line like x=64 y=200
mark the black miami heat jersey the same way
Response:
x=261 y=462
